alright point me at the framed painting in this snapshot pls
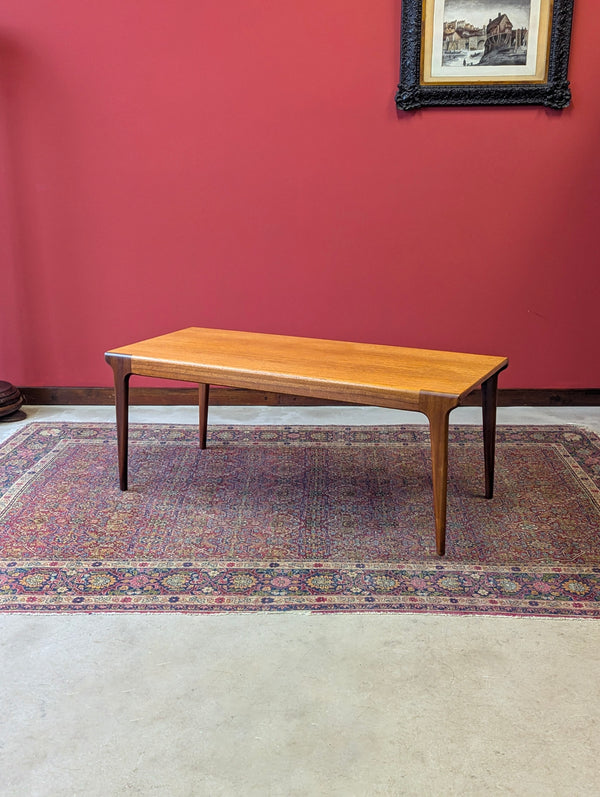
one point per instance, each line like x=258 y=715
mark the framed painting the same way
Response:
x=484 y=52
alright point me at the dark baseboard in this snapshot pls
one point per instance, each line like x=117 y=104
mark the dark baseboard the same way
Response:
x=228 y=396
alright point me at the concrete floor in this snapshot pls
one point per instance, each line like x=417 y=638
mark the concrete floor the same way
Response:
x=295 y=704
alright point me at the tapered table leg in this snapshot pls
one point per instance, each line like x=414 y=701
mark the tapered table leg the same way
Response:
x=121 y=366
x=489 y=393
x=203 y=391
x=437 y=409
x=438 y=425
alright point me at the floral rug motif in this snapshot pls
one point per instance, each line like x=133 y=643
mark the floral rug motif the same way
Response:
x=327 y=519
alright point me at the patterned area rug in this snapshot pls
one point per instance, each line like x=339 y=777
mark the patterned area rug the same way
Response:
x=328 y=519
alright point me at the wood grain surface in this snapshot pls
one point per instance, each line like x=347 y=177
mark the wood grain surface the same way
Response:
x=387 y=376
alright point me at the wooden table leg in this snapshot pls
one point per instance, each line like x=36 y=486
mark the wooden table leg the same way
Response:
x=203 y=391
x=121 y=366
x=437 y=409
x=489 y=393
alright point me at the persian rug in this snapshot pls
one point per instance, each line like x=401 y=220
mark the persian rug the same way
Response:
x=325 y=519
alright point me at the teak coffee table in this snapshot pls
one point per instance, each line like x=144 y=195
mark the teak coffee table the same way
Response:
x=431 y=382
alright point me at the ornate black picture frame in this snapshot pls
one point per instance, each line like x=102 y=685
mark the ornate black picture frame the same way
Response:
x=441 y=62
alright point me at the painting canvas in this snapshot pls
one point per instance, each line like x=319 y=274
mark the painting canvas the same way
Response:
x=470 y=34
x=484 y=39
x=481 y=40
x=484 y=52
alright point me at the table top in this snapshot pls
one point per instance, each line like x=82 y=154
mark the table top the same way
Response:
x=333 y=369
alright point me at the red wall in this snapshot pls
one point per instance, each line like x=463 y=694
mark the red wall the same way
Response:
x=241 y=164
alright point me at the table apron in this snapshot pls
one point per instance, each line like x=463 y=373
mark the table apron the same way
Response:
x=281 y=383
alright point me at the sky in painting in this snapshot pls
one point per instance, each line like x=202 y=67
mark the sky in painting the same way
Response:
x=479 y=12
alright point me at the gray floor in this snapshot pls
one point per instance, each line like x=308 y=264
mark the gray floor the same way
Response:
x=294 y=704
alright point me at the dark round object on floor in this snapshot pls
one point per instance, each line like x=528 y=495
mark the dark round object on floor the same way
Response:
x=10 y=398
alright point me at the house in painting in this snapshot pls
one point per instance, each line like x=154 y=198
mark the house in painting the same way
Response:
x=502 y=37
x=453 y=39
x=500 y=25
x=499 y=33
x=460 y=35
